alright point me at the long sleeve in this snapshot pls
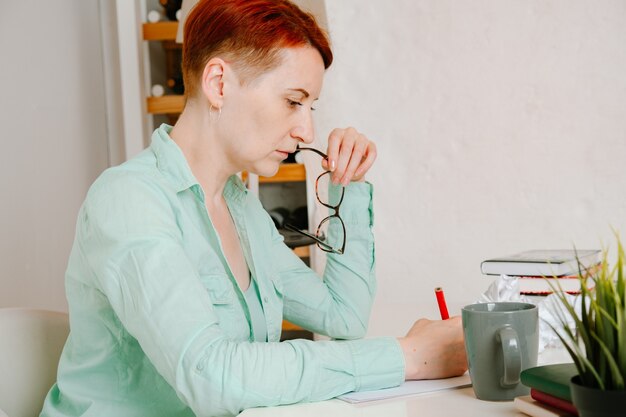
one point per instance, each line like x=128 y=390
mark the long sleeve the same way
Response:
x=338 y=306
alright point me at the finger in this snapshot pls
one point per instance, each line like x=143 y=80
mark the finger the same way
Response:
x=345 y=154
x=355 y=161
x=334 y=142
x=366 y=164
x=346 y=148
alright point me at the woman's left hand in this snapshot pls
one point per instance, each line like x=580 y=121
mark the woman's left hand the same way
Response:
x=350 y=155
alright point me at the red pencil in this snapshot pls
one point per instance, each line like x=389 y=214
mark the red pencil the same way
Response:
x=441 y=301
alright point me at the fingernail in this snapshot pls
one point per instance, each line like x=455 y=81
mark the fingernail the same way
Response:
x=332 y=164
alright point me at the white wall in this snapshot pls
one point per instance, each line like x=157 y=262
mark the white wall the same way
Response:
x=500 y=124
x=54 y=144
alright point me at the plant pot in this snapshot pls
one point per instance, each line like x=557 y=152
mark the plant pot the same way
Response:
x=594 y=402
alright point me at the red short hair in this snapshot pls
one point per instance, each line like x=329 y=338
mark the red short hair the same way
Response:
x=250 y=33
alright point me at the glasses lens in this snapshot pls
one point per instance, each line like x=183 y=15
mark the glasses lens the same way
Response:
x=328 y=194
x=331 y=232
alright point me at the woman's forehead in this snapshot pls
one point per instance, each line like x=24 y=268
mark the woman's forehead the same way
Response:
x=300 y=68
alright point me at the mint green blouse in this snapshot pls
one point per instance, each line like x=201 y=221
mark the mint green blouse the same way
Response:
x=257 y=317
x=159 y=326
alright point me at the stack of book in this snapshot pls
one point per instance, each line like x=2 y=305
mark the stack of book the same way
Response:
x=549 y=391
x=541 y=270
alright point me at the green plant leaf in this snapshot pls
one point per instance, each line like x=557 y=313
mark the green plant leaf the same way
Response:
x=621 y=339
x=616 y=377
x=581 y=326
x=588 y=375
x=598 y=345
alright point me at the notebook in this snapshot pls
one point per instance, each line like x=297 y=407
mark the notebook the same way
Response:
x=408 y=388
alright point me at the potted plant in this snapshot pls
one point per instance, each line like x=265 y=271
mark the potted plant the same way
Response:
x=597 y=345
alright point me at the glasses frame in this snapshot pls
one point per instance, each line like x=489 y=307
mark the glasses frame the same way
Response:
x=319 y=240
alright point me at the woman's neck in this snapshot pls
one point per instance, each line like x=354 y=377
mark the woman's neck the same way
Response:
x=196 y=136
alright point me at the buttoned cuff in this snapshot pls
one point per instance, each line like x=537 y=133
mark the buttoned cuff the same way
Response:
x=378 y=363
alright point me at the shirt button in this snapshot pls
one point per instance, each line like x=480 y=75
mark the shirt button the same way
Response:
x=267 y=300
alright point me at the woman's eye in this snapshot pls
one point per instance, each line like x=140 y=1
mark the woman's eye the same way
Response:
x=293 y=103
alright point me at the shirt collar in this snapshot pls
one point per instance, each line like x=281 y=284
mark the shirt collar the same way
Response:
x=235 y=191
x=172 y=163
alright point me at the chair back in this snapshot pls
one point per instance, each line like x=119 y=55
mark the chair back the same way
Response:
x=31 y=342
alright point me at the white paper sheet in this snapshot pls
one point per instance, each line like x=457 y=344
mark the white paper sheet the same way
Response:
x=408 y=388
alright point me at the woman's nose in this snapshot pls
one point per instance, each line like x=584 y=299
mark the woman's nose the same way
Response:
x=304 y=131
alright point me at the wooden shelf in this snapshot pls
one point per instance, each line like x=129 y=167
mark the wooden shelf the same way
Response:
x=165 y=104
x=160 y=31
x=289 y=172
x=290 y=326
x=302 y=251
x=163 y=31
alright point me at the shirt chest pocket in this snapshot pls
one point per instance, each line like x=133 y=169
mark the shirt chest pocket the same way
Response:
x=219 y=288
x=226 y=305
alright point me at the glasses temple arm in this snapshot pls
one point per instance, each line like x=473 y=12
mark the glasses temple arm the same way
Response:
x=320 y=153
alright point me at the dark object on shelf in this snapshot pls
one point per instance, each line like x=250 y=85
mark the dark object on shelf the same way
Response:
x=299 y=218
x=176 y=85
x=280 y=216
x=296 y=334
x=173 y=70
x=294 y=239
x=172 y=118
x=171 y=7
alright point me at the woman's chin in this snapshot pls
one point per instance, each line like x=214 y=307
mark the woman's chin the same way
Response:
x=267 y=170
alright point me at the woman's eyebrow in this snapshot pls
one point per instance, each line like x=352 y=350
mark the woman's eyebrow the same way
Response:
x=300 y=90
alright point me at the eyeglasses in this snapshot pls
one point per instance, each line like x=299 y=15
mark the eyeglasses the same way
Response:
x=326 y=235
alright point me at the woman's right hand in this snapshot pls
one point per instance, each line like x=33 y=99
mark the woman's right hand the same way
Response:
x=434 y=349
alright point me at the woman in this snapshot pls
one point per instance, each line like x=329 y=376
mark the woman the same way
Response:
x=178 y=280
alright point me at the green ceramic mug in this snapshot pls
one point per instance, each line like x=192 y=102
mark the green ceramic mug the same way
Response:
x=501 y=340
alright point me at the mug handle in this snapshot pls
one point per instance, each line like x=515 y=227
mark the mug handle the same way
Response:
x=507 y=336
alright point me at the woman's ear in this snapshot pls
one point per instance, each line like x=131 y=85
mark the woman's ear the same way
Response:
x=213 y=83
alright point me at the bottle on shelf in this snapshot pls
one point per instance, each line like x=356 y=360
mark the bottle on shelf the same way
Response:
x=154 y=16
x=176 y=85
x=157 y=90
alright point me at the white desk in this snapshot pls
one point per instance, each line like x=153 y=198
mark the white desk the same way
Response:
x=456 y=402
